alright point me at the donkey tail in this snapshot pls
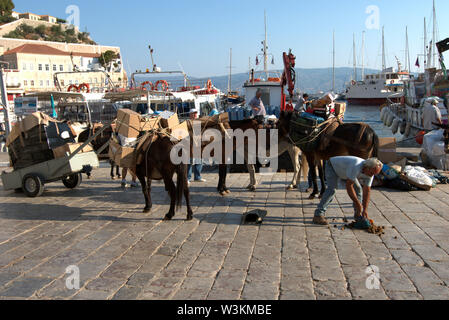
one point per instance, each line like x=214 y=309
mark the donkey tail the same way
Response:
x=180 y=184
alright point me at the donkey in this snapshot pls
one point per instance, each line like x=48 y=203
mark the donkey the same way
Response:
x=284 y=145
x=348 y=139
x=154 y=163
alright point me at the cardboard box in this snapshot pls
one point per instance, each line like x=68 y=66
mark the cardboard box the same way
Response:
x=69 y=148
x=148 y=124
x=180 y=131
x=387 y=150
x=340 y=108
x=128 y=123
x=122 y=156
x=171 y=122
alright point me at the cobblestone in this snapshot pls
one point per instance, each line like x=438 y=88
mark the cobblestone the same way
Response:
x=124 y=254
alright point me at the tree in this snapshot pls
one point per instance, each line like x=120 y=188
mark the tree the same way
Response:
x=6 y=7
x=40 y=30
x=107 y=57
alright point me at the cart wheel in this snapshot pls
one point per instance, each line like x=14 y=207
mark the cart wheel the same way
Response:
x=32 y=185
x=72 y=181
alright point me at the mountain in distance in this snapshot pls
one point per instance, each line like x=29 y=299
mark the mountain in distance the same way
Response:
x=307 y=80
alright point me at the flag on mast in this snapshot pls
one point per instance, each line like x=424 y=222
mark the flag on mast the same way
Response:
x=417 y=63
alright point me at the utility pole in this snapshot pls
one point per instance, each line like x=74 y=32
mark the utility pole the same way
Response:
x=230 y=70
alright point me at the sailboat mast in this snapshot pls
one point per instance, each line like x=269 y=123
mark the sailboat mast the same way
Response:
x=333 y=62
x=354 y=58
x=425 y=45
x=434 y=36
x=407 y=51
x=230 y=70
x=265 y=55
x=363 y=55
x=384 y=65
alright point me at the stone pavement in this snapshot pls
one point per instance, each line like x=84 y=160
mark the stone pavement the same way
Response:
x=122 y=253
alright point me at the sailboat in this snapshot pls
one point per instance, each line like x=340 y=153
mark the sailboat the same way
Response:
x=377 y=89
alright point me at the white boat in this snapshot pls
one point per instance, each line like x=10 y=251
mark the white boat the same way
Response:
x=377 y=89
x=268 y=81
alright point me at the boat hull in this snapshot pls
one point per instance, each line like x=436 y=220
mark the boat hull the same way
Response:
x=371 y=101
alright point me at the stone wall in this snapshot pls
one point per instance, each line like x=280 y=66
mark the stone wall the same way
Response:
x=7 y=28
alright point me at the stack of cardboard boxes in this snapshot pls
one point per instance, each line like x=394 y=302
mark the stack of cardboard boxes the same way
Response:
x=38 y=138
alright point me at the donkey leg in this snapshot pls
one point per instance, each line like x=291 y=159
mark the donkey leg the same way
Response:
x=294 y=156
x=322 y=179
x=146 y=190
x=312 y=170
x=222 y=171
x=187 y=197
x=117 y=170
x=170 y=186
x=252 y=177
x=225 y=173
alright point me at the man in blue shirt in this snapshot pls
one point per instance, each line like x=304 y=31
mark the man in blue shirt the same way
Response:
x=356 y=172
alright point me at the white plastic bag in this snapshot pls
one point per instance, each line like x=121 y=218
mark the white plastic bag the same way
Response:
x=418 y=175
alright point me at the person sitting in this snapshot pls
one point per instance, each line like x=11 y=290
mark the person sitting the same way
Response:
x=431 y=114
x=355 y=171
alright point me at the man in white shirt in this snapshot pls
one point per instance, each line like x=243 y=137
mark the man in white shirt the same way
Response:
x=355 y=171
x=431 y=114
x=257 y=105
x=301 y=105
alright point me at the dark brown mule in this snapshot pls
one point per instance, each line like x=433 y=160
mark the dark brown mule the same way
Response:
x=348 y=139
x=98 y=142
x=157 y=165
x=154 y=163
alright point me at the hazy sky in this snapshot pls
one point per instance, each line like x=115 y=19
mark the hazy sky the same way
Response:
x=198 y=34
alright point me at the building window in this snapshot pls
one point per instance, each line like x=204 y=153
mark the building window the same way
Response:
x=62 y=83
x=54 y=67
x=76 y=81
x=48 y=83
x=61 y=67
x=40 y=67
x=25 y=82
x=47 y=67
x=32 y=83
x=31 y=67
x=70 y=82
x=24 y=66
x=96 y=80
x=41 y=83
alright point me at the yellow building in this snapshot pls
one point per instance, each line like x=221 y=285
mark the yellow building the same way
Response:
x=34 y=67
x=49 y=18
x=29 y=16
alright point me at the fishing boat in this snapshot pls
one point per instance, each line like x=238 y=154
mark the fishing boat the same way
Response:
x=268 y=81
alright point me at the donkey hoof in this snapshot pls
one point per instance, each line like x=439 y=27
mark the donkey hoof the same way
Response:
x=146 y=210
x=189 y=217
x=227 y=191
x=167 y=217
x=112 y=178
x=290 y=187
x=312 y=196
x=223 y=193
